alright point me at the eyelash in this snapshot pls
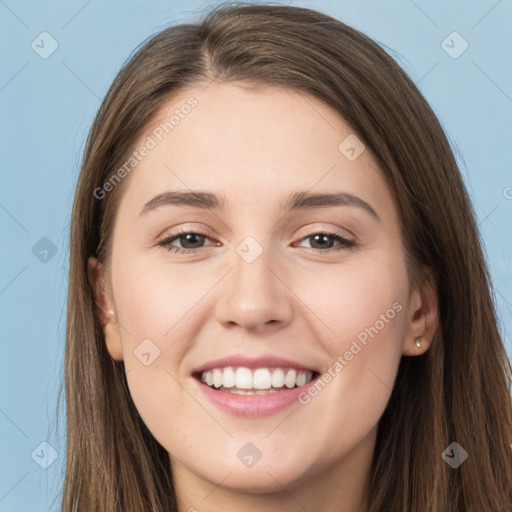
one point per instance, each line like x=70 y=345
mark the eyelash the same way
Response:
x=344 y=243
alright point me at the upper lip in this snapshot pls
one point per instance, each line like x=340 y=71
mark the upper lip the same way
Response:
x=252 y=362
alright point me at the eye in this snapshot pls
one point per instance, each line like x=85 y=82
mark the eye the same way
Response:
x=193 y=240
x=188 y=238
x=321 y=240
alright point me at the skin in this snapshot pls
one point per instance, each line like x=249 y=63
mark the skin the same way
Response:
x=256 y=148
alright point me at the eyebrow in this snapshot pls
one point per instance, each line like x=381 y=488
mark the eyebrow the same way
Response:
x=296 y=201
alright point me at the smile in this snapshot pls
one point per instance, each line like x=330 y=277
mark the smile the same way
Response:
x=257 y=381
x=253 y=387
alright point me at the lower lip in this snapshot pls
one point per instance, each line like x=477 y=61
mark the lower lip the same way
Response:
x=253 y=405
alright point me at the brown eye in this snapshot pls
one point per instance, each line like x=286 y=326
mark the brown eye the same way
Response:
x=190 y=241
x=323 y=242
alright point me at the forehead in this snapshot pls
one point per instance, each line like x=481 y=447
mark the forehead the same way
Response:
x=252 y=147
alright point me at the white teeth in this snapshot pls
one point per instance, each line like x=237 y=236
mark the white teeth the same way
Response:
x=259 y=381
x=278 y=378
x=237 y=391
x=262 y=379
x=289 y=381
x=228 y=378
x=243 y=378
x=301 y=379
x=217 y=378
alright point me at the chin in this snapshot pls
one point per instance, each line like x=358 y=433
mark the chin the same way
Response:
x=264 y=477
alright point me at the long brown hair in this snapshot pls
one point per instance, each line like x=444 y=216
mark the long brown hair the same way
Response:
x=459 y=390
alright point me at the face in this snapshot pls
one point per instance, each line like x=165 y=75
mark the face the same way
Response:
x=263 y=289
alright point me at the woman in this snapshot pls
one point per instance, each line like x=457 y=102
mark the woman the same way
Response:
x=214 y=359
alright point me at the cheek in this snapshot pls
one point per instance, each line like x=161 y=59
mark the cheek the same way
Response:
x=155 y=301
x=361 y=302
x=362 y=313
x=156 y=311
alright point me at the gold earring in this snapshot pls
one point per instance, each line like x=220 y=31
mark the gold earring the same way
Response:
x=418 y=341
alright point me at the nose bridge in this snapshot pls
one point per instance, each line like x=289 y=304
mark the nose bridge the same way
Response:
x=252 y=264
x=253 y=295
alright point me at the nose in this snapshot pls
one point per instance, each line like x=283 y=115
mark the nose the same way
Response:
x=255 y=297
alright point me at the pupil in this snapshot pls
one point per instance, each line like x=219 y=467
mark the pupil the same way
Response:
x=193 y=235
x=325 y=237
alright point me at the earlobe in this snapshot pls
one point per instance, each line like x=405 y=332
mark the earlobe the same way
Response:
x=423 y=316
x=104 y=310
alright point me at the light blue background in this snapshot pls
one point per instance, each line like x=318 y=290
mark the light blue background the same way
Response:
x=48 y=105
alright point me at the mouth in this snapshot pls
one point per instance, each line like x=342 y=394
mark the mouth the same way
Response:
x=254 y=381
x=253 y=387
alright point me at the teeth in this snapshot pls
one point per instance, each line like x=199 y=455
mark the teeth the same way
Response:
x=217 y=378
x=301 y=379
x=262 y=379
x=228 y=378
x=278 y=378
x=243 y=378
x=237 y=391
x=245 y=381
x=290 y=379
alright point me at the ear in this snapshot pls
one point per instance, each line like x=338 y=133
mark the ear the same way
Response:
x=105 y=312
x=423 y=316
